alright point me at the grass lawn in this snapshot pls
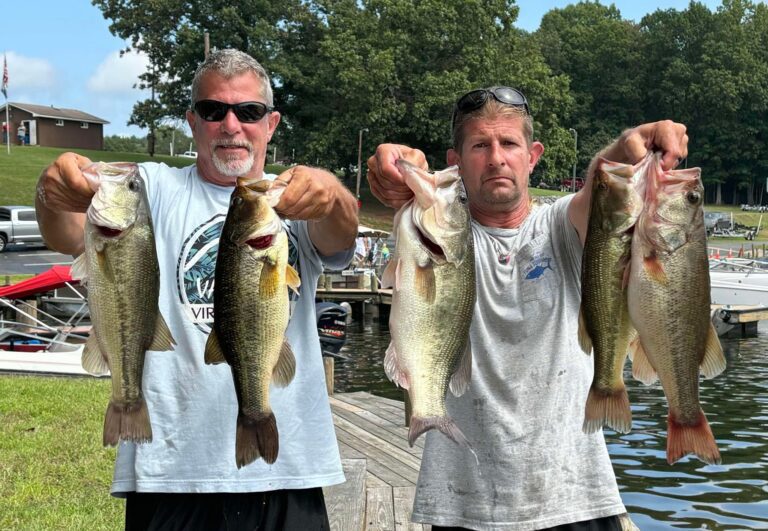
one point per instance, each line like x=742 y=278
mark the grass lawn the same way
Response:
x=54 y=472
x=19 y=170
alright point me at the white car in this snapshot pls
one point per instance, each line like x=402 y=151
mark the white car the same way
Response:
x=189 y=154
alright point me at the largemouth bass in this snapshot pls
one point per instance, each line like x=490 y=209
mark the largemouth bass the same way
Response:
x=121 y=271
x=604 y=324
x=669 y=305
x=433 y=276
x=251 y=311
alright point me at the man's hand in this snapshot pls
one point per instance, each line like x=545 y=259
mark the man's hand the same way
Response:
x=666 y=136
x=311 y=193
x=317 y=196
x=62 y=187
x=387 y=184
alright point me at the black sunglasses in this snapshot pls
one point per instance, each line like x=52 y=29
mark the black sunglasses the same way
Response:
x=474 y=99
x=247 y=112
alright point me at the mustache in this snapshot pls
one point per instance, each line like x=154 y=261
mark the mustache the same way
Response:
x=228 y=142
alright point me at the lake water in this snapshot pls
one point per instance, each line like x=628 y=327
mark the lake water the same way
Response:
x=687 y=495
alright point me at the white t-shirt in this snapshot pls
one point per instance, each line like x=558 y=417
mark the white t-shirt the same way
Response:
x=524 y=408
x=193 y=406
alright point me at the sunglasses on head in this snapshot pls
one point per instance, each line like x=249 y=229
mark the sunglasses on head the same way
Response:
x=474 y=99
x=247 y=112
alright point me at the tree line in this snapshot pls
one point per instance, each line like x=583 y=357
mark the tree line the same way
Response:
x=394 y=68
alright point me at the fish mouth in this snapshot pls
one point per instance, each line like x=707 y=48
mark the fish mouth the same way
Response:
x=109 y=232
x=431 y=246
x=260 y=242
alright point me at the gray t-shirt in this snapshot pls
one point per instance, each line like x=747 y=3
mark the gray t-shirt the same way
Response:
x=525 y=404
x=193 y=406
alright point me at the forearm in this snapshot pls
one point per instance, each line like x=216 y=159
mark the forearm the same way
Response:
x=337 y=231
x=62 y=231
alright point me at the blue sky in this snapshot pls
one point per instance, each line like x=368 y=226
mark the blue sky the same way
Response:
x=61 y=53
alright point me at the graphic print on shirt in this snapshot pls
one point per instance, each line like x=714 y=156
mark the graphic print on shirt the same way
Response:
x=537 y=267
x=196 y=270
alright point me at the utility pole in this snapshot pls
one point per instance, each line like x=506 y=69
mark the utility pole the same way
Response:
x=359 y=162
x=207 y=41
x=576 y=148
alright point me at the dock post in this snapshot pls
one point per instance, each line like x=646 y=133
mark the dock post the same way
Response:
x=328 y=366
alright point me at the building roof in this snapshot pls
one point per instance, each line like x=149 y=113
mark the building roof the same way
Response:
x=56 y=113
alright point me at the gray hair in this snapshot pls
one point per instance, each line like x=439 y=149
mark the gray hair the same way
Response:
x=492 y=109
x=230 y=63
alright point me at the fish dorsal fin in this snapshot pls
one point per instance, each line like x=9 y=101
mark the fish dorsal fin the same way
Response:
x=714 y=360
x=79 y=269
x=93 y=361
x=285 y=369
x=213 y=353
x=292 y=278
x=461 y=376
x=269 y=280
x=642 y=370
x=585 y=341
x=392 y=367
x=425 y=282
x=163 y=339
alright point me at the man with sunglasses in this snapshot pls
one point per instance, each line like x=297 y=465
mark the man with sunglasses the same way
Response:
x=524 y=408
x=187 y=477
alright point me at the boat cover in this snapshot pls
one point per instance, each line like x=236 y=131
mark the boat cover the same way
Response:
x=57 y=276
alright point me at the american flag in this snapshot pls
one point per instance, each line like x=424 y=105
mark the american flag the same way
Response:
x=5 y=77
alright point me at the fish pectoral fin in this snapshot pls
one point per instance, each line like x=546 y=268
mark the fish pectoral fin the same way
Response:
x=213 y=353
x=163 y=339
x=585 y=341
x=104 y=265
x=461 y=376
x=642 y=370
x=269 y=281
x=389 y=276
x=285 y=369
x=93 y=361
x=655 y=269
x=714 y=360
x=392 y=368
x=79 y=269
x=292 y=278
x=425 y=282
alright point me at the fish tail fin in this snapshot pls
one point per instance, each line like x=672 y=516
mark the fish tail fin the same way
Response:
x=129 y=422
x=446 y=425
x=694 y=438
x=256 y=438
x=609 y=408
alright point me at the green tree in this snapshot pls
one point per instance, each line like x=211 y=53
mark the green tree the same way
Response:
x=598 y=51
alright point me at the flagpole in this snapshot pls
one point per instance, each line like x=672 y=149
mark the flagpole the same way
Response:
x=5 y=93
x=7 y=127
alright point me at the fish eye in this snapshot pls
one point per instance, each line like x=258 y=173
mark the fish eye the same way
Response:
x=693 y=197
x=133 y=185
x=602 y=185
x=237 y=200
x=463 y=198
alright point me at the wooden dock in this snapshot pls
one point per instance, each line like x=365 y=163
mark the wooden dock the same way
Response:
x=380 y=467
x=738 y=321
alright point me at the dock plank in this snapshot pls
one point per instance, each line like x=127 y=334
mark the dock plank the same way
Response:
x=379 y=509
x=346 y=502
x=384 y=445
x=397 y=438
x=385 y=410
x=378 y=463
x=403 y=502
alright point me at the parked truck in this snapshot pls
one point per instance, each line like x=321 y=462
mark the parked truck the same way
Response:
x=18 y=224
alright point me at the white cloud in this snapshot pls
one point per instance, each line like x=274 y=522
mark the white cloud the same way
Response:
x=118 y=75
x=29 y=72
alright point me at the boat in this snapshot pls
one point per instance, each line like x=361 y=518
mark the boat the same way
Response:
x=739 y=281
x=33 y=341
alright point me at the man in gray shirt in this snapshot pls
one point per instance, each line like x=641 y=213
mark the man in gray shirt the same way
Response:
x=524 y=408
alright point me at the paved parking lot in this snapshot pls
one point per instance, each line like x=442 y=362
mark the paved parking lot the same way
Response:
x=28 y=259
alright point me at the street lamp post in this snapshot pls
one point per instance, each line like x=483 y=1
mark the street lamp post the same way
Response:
x=359 y=160
x=576 y=148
